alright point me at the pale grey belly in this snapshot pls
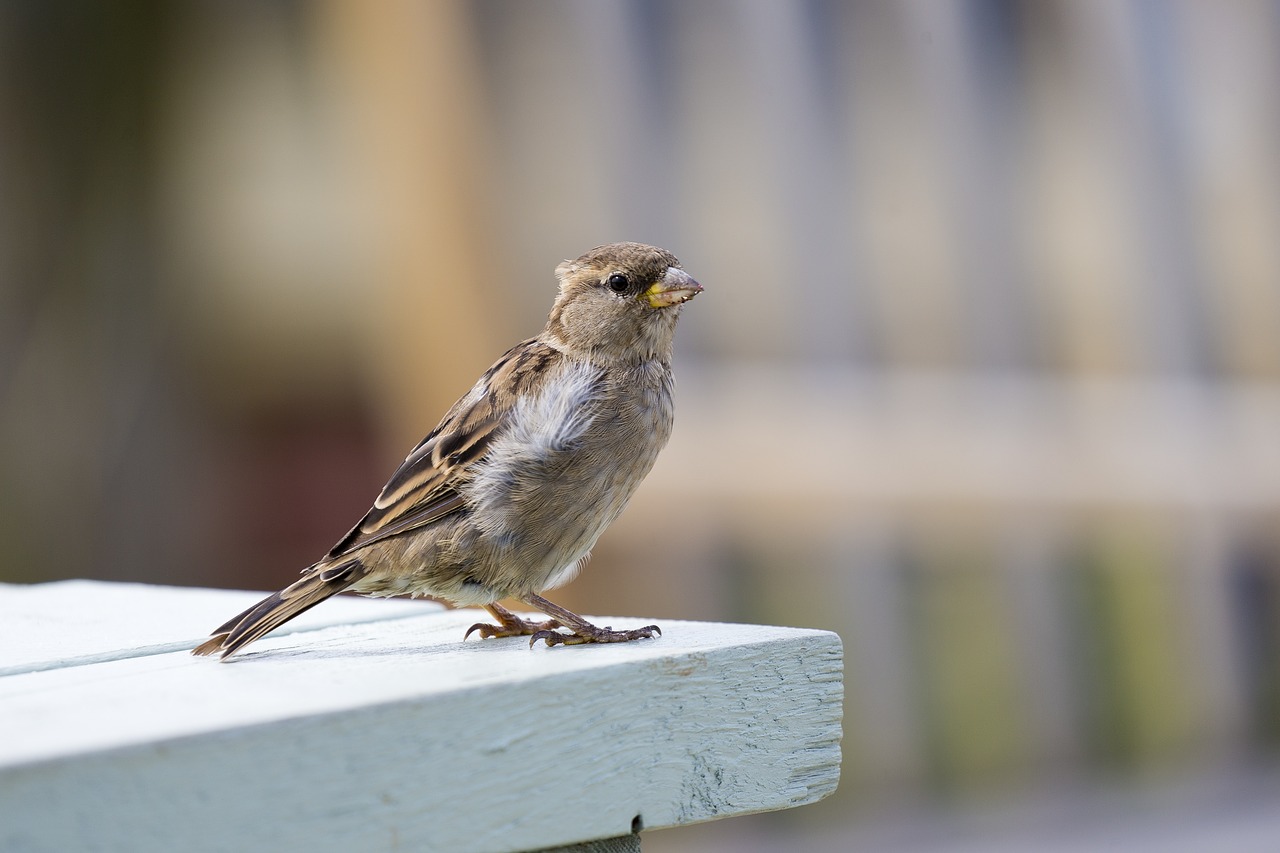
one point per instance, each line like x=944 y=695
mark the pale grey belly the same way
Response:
x=545 y=519
x=536 y=507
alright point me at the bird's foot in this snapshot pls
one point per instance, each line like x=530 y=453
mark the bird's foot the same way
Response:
x=580 y=630
x=522 y=628
x=588 y=633
x=509 y=625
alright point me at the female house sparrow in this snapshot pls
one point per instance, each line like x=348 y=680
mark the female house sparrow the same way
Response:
x=507 y=495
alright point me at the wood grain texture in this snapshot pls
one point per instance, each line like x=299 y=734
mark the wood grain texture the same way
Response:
x=397 y=735
x=73 y=622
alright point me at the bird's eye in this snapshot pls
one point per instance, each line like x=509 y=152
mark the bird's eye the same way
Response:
x=617 y=282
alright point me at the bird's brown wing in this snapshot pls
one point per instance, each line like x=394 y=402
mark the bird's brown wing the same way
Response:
x=425 y=488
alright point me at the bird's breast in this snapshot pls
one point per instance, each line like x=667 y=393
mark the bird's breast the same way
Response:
x=568 y=462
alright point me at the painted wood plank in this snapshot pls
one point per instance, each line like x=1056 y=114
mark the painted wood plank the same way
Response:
x=396 y=734
x=73 y=622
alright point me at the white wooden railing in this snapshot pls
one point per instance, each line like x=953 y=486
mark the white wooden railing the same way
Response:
x=371 y=725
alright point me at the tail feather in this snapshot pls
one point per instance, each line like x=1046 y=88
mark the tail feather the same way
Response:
x=279 y=607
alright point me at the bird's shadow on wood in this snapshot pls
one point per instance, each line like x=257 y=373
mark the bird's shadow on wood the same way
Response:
x=427 y=650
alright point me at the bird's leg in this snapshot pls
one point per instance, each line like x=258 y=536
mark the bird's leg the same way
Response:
x=509 y=624
x=583 y=631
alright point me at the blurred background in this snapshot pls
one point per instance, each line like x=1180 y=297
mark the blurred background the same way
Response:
x=986 y=377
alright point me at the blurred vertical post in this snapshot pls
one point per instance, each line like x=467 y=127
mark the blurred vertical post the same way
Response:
x=1231 y=63
x=404 y=75
x=1082 y=257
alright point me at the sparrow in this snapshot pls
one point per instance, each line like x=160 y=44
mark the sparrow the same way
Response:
x=507 y=495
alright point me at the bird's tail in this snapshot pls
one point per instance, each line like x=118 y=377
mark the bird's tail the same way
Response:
x=273 y=611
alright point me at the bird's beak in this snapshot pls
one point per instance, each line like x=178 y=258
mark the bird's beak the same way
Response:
x=675 y=287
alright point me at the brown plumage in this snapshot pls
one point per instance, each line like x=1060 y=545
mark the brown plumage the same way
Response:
x=507 y=495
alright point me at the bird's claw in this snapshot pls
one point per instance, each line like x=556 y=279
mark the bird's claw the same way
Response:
x=486 y=630
x=552 y=638
x=517 y=627
x=595 y=635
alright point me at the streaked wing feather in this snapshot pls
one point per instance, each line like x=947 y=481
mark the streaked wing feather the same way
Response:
x=424 y=489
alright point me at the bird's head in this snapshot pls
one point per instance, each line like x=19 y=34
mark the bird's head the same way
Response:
x=620 y=302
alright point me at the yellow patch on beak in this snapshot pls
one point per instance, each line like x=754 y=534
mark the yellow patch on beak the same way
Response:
x=674 y=288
